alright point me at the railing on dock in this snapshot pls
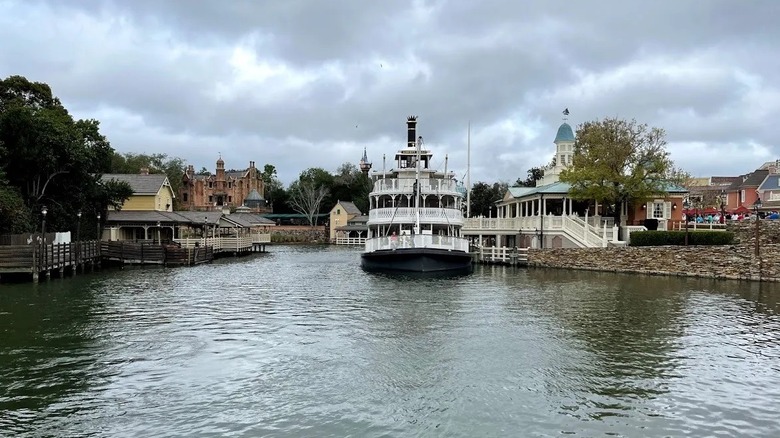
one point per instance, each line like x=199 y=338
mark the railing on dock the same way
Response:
x=502 y=255
x=36 y=258
x=143 y=253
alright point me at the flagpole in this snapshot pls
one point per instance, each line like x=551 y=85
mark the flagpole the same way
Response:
x=468 y=172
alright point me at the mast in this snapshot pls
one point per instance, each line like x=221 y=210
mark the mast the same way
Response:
x=446 y=157
x=468 y=173
x=417 y=188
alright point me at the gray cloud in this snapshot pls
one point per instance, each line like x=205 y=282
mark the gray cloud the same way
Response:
x=300 y=84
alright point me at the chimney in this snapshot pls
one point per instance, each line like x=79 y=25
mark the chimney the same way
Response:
x=411 y=135
x=144 y=171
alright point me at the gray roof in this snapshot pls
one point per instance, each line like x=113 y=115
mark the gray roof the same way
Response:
x=771 y=182
x=186 y=217
x=349 y=207
x=254 y=195
x=359 y=219
x=754 y=179
x=141 y=184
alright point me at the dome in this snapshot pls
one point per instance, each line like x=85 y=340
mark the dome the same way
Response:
x=564 y=133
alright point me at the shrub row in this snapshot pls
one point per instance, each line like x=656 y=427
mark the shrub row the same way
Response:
x=661 y=238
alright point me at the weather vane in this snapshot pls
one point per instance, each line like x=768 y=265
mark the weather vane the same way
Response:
x=565 y=114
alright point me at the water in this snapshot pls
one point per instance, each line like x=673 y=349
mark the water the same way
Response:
x=301 y=342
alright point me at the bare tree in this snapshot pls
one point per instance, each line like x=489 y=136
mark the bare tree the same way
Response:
x=306 y=198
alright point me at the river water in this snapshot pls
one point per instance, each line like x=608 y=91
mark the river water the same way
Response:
x=301 y=342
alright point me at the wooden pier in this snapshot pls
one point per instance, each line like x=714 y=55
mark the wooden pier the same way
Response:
x=503 y=255
x=44 y=259
x=146 y=253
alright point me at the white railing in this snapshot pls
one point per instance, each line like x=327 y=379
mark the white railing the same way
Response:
x=502 y=254
x=418 y=241
x=451 y=216
x=225 y=243
x=692 y=226
x=352 y=241
x=261 y=238
x=406 y=185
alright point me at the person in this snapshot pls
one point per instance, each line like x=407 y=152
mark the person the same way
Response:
x=393 y=240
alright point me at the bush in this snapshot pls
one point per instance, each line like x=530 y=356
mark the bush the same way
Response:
x=662 y=238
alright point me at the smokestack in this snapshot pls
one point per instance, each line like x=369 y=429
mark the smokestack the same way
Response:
x=411 y=136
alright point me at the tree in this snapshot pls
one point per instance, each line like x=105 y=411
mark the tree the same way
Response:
x=172 y=167
x=484 y=197
x=534 y=175
x=306 y=198
x=14 y=215
x=350 y=184
x=47 y=157
x=618 y=161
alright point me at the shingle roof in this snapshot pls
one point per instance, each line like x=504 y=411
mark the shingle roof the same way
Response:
x=771 y=182
x=141 y=184
x=359 y=219
x=754 y=179
x=186 y=217
x=349 y=207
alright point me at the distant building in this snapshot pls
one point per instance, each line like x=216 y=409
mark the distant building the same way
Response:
x=223 y=189
x=340 y=216
x=151 y=192
x=365 y=165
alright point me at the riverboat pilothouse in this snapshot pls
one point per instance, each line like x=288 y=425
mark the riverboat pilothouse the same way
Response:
x=416 y=215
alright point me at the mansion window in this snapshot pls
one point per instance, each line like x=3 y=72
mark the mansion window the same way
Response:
x=211 y=199
x=230 y=184
x=211 y=184
x=230 y=199
x=184 y=197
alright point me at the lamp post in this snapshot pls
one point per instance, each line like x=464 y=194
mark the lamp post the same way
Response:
x=205 y=229
x=159 y=241
x=756 y=208
x=43 y=232
x=78 y=242
x=686 y=206
x=43 y=223
x=723 y=206
x=98 y=227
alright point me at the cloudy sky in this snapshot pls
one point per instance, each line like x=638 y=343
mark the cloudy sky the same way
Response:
x=302 y=84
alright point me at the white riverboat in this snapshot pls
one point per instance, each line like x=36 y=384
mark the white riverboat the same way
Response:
x=416 y=215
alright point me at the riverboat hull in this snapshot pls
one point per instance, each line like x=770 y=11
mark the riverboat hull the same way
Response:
x=417 y=260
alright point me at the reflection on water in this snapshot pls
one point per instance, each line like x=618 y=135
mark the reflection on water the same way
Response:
x=301 y=341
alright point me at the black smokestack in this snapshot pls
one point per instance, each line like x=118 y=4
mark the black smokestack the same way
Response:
x=411 y=135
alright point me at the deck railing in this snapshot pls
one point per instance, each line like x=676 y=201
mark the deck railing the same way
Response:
x=351 y=241
x=418 y=241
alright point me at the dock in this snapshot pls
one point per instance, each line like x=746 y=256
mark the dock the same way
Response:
x=45 y=259
x=512 y=256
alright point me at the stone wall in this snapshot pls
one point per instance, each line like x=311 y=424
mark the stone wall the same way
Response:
x=737 y=261
x=303 y=234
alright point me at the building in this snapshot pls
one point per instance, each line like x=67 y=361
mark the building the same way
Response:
x=205 y=192
x=546 y=216
x=151 y=192
x=339 y=217
x=365 y=165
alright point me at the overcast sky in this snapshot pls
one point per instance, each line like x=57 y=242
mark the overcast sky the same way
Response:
x=302 y=84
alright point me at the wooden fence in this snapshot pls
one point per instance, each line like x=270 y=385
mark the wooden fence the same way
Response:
x=38 y=258
x=147 y=253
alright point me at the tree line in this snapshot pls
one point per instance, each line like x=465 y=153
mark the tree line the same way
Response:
x=47 y=158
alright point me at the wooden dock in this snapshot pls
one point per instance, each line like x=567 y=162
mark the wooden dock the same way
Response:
x=503 y=255
x=44 y=259
x=146 y=253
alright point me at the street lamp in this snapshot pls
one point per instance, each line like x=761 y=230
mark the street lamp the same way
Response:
x=43 y=223
x=159 y=242
x=686 y=207
x=98 y=227
x=205 y=229
x=78 y=232
x=757 y=206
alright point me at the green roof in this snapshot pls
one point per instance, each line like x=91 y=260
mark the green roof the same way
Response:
x=564 y=133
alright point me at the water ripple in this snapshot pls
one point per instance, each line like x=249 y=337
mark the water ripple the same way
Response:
x=300 y=342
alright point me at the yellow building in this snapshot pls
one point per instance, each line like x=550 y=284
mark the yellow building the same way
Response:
x=340 y=217
x=151 y=192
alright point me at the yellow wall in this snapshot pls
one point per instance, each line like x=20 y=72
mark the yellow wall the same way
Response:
x=138 y=202
x=151 y=203
x=338 y=218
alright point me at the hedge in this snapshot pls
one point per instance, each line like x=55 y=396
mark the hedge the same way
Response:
x=662 y=238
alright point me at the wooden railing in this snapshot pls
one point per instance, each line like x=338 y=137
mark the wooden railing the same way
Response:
x=149 y=253
x=225 y=243
x=35 y=258
x=353 y=241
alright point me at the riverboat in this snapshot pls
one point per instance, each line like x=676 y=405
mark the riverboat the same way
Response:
x=416 y=215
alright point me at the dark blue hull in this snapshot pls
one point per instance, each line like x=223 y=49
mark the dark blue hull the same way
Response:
x=416 y=260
